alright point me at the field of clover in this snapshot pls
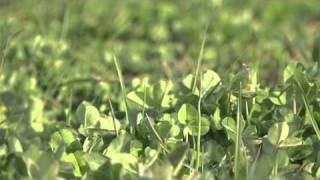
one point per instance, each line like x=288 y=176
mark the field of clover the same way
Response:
x=164 y=90
x=202 y=127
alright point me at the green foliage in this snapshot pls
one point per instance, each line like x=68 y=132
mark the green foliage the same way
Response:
x=248 y=108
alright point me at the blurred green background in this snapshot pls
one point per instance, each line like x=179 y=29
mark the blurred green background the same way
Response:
x=52 y=49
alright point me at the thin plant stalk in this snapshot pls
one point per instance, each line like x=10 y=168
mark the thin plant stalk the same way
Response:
x=294 y=103
x=276 y=165
x=199 y=129
x=313 y=121
x=238 y=138
x=113 y=118
x=247 y=112
x=202 y=158
x=195 y=83
x=144 y=98
x=199 y=61
x=229 y=102
x=192 y=157
x=155 y=132
x=124 y=95
x=70 y=109
x=308 y=109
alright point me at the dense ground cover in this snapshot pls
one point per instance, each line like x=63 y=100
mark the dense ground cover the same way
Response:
x=159 y=89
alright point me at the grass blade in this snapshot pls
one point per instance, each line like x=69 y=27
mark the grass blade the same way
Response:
x=313 y=121
x=308 y=109
x=69 y=116
x=199 y=130
x=113 y=118
x=198 y=73
x=238 y=138
x=199 y=62
x=155 y=132
x=124 y=95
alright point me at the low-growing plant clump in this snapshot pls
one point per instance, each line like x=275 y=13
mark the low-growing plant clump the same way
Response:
x=108 y=90
x=202 y=127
